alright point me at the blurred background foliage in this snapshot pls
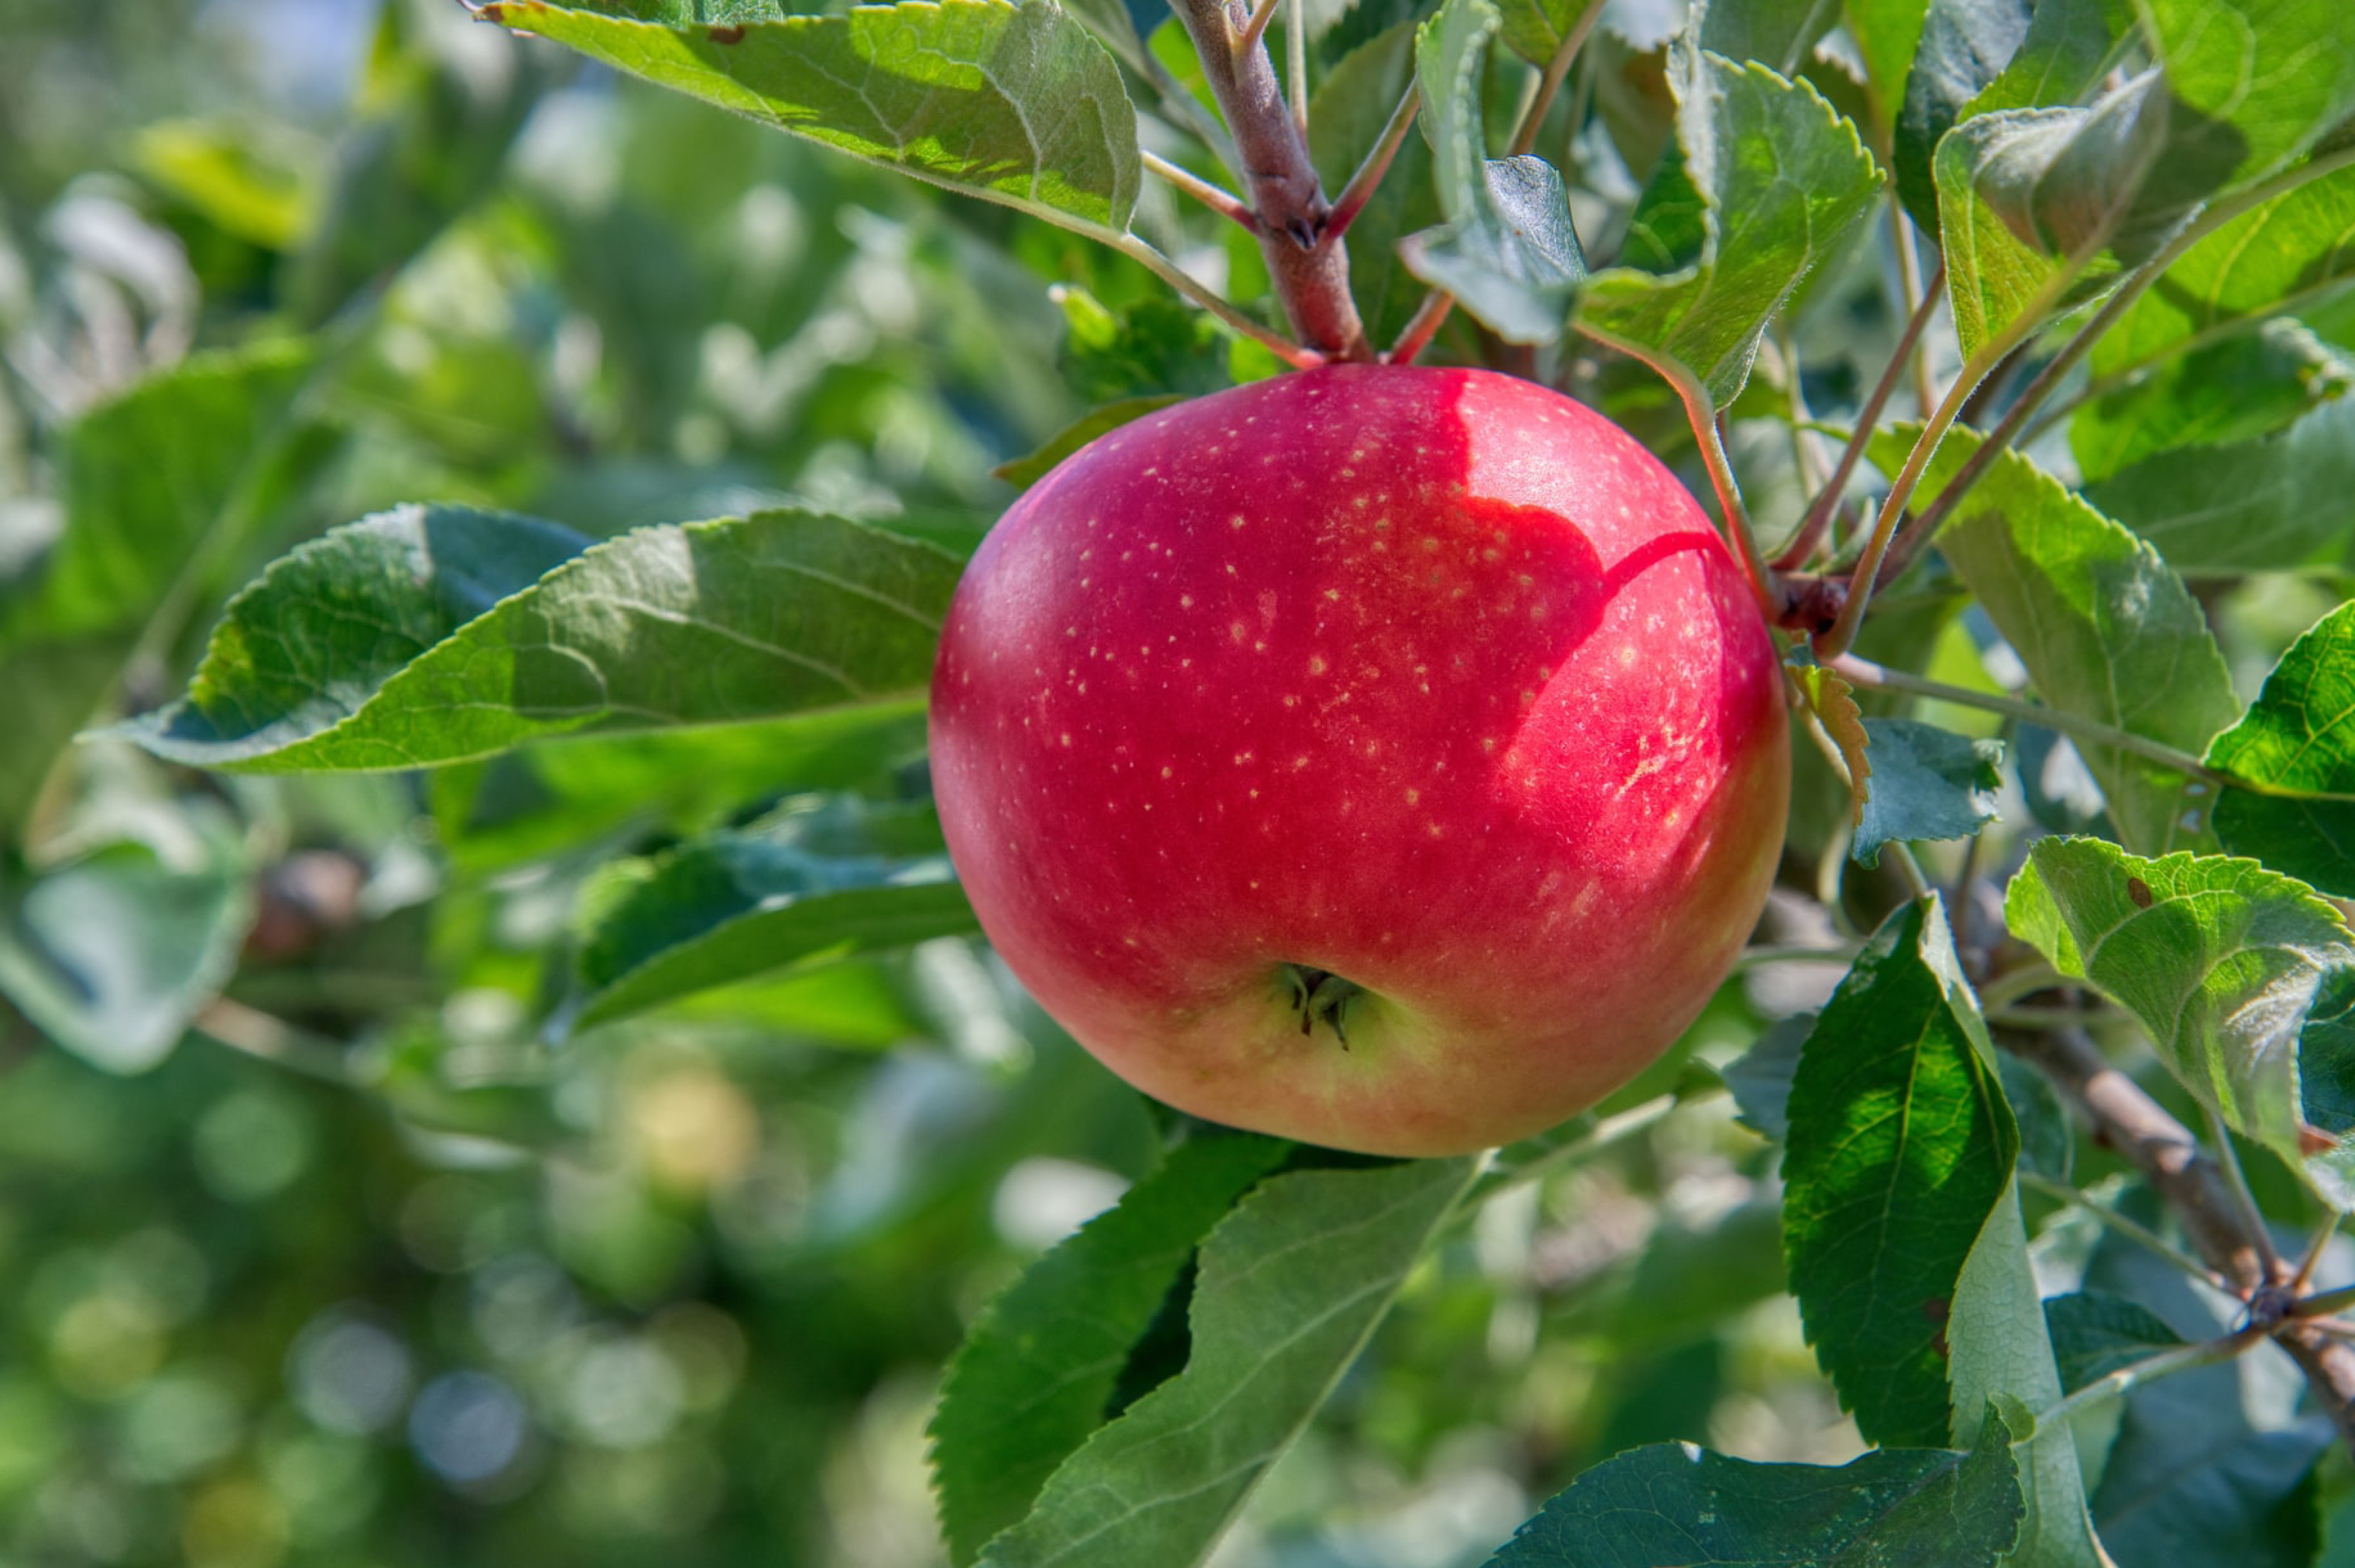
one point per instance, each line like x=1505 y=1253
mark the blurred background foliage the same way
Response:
x=348 y=1264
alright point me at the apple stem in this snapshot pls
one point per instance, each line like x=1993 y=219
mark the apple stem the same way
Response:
x=1308 y=265
x=1360 y=188
x=1525 y=134
x=1320 y=996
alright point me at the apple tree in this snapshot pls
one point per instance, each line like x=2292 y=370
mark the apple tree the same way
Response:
x=481 y=961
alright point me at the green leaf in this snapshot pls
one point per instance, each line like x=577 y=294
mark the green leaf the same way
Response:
x=1927 y=783
x=2218 y=959
x=2244 y=386
x=2210 y=1493
x=2280 y=256
x=1779 y=34
x=2047 y=1137
x=1506 y=250
x=159 y=489
x=1537 y=29
x=816 y=882
x=111 y=955
x=2001 y=1359
x=1965 y=45
x=2294 y=741
x=2298 y=736
x=1673 y=1504
x=1899 y=1146
x=1887 y=35
x=2069 y=43
x=1760 y=1078
x=1018 y=104
x=1043 y=1361
x=1291 y=1285
x=2029 y=199
x=2249 y=506
x=549 y=801
x=1780 y=176
x=2108 y=633
x=2261 y=80
x=2096 y=1334
x=428 y=635
x=1027 y=470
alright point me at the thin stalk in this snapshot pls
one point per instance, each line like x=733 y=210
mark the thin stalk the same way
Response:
x=1261 y=15
x=2322 y=1234
x=2133 y=1229
x=1918 y=300
x=1296 y=38
x=2323 y=1303
x=1909 y=869
x=1142 y=252
x=1360 y=188
x=1417 y=334
x=1610 y=1130
x=1867 y=421
x=1223 y=202
x=1702 y=416
x=1864 y=672
x=2228 y=1159
x=1533 y=114
x=2014 y=984
x=2182 y=1357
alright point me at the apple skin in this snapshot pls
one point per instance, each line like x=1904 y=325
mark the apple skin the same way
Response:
x=1431 y=680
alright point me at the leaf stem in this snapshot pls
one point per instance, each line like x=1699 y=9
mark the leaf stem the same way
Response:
x=1525 y=134
x=1141 y=251
x=1867 y=421
x=1606 y=1132
x=1920 y=299
x=2179 y=1358
x=2012 y=985
x=1701 y=413
x=1222 y=202
x=1261 y=15
x=2133 y=1229
x=1361 y=186
x=2323 y=1303
x=1864 y=672
x=1417 y=334
x=1296 y=38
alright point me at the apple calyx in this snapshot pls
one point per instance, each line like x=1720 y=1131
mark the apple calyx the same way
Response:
x=1320 y=996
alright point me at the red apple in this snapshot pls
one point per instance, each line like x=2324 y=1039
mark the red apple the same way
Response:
x=1387 y=758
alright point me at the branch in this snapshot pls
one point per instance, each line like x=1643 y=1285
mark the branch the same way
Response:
x=1309 y=268
x=2138 y=1128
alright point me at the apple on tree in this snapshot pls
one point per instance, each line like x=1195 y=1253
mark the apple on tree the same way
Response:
x=1392 y=758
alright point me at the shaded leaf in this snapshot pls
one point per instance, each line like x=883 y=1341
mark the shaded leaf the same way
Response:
x=1015 y=104
x=1779 y=176
x=1760 y=1078
x=2296 y=741
x=2096 y=1334
x=1965 y=45
x=2205 y=1494
x=1536 y=30
x=2246 y=506
x=1778 y=33
x=2244 y=386
x=2218 y=959
x=2106 y=630
x=1038 y=1367
x=2258 y=81
x=1927 y=783
x=1506 y=250
x=1319 y=1252
x=2048 y=1139
x=111 y=955
x=1673 y=1504
x=818 y=881
x=1899 y=1146
x=428 y=635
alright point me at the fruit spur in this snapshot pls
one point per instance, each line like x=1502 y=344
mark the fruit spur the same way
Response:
x=1387 y=757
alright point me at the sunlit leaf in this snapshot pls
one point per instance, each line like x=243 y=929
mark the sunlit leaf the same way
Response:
x=1016 y=104
x=1319 y=1252
x=2218 y=959
x=1779 y=176
x=1040 y=1364
x=2106 y=630
x=1899 y=1146
x=428 y=635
